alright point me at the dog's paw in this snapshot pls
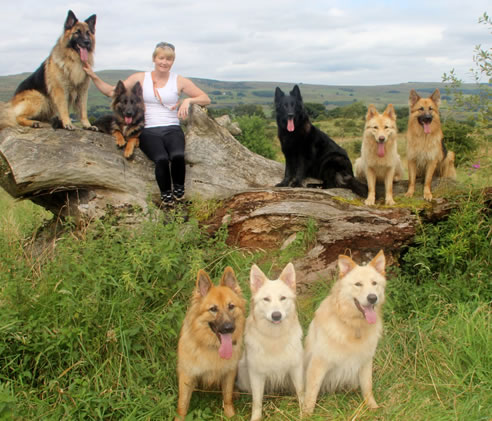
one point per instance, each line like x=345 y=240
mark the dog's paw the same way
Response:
x=428 y=196
x=92 y=128
x=369 y=201
x=390 y=202
x=69 y=127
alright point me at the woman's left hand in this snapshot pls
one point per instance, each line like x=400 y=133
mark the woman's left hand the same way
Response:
x=184 y=108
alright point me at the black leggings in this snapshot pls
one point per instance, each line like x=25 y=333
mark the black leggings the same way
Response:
x=165 y=145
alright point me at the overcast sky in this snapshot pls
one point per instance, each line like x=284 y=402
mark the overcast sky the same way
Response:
x=339 y=42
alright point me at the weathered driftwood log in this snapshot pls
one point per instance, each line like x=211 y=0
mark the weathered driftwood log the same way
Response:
x=81 y=172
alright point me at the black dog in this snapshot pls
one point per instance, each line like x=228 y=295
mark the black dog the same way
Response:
x=127 y=121
x=308 y=151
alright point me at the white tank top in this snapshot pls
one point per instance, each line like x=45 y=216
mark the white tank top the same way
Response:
x=157 y=114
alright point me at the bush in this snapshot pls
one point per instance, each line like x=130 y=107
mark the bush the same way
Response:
x=254 y=136
x=458 y=138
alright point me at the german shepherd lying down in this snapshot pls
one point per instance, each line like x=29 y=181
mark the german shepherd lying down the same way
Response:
x=379 y=160
x=273 y=357
x=308 y=151
x=127 y=121
x=59 y=83
x=426 y=152
x=211 y=339
x=343 y=335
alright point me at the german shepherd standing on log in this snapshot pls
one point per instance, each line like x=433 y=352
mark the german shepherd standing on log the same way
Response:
x=59 y=83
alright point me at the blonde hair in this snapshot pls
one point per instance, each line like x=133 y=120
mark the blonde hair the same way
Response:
x=164 y=48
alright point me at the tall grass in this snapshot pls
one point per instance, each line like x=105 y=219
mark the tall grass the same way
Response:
x=89 y=326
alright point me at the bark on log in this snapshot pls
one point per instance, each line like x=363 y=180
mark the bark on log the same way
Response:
x=272 y=218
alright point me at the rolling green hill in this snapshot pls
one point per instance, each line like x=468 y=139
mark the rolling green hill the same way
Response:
x=227 y=94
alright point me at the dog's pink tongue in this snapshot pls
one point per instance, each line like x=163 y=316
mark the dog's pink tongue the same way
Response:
x=128 y=120
x=370 y=315
x=290 y=125
x=427 y=128
x=381 y=150
x=225 y=350
x=84 y=55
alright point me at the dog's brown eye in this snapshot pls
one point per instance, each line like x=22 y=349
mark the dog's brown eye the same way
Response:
x=231 y=306
x=266 y=299
x=358 y=284
x=374 y=283
x=213 y=309
x=421 y=109
x=283 y=298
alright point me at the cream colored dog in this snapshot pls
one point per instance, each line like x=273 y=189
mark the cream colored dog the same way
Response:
x=344 y=333
x=379 y=160
x=273 y=357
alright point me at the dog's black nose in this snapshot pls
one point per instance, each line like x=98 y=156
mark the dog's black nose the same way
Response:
x=382 y=138
x=276 y=316
x=372 y=298
x=227 y=327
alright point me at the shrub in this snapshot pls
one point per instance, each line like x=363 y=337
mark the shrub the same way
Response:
x=458 y=138
x=254 y=136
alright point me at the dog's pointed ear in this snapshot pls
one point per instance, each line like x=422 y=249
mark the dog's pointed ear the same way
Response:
x=70 y=21
x=390 y=112
x=278 y=93
x=137 y=89
x=229 y=280
x=288 y=275
x=91 y=21
x=296 y=92
x=256 y=278
x=436 y=97
x=345 y=265
x=119 y=89
x=379 y=262
x=413 y=97
x=371 y=112
x=203 y=283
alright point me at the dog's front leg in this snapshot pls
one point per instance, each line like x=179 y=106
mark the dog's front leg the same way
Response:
x=288 y=174
x=365 y=380
x=371 y=185
x=388 y=186
x=429 y=173
x=82 y=107
x=257 y=381
x=315 y=374
x=300 y=173
x=60 y=99
x=412 y=175
x=186 y=387
x=297 y=376
x=227 y=393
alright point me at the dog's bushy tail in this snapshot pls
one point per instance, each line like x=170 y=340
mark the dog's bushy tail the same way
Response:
x=7 y=117
x=348 y=181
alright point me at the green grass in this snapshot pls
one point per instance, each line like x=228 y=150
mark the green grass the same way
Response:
x=90 y=323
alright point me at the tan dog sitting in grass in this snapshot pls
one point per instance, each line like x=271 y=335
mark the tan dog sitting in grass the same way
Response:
x=211 y=340
x=344 y=333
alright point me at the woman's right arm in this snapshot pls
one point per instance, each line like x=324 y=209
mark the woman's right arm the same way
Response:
x=108 y=89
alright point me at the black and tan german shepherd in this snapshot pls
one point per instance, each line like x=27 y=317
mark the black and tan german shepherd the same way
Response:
x=59 y=83
x=127 y=121
x=308 y=151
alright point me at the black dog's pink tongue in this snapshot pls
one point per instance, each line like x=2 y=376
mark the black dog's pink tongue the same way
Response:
x=225 y=350
x=128 y=120
x=381 y=149
x=84 y=54
x=290 y=125
x=427 y=128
